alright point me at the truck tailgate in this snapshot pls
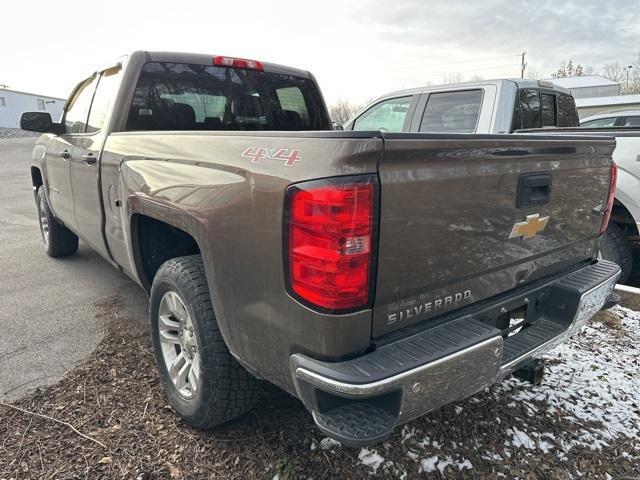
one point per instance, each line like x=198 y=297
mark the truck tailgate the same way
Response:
x=450 y=209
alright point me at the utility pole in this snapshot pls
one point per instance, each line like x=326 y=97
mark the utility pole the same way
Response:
x=522 y=65
x=628 y=68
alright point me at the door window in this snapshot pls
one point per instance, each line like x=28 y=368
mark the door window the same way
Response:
x=600 y=122
x=632 y=122
x=452 y=112
x=105 y=93
x=387 y=116
x=75 y=118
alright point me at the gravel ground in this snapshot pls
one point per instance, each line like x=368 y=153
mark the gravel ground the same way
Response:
x=16 y=133
x=583 y=421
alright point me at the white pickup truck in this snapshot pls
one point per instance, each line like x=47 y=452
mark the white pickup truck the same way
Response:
x=488 y=106
x=622 y=232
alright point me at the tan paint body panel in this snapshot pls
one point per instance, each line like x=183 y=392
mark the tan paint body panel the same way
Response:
x=448 y=209
x=201 y=184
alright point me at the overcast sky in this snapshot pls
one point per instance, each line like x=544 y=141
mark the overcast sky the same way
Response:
x=357 y=50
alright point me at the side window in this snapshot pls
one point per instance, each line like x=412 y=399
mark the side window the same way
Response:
x=548 y=109
x=41 y=105
x=452 y=112
x=530 y=108
x=632 y=122
x=3 y=103
x=75 y=118
x=599 y=123
x=567 y=112
x=388 y=116
x=105 y=93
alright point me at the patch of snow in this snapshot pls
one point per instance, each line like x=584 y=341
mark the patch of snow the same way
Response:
x=407 y=433
x=428 y=465
x=371 y=459
x=521 y=439
x=594 y=380
x=329 y=443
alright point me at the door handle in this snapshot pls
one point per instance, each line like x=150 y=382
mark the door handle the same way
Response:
x=89 y=159
x=65 y=154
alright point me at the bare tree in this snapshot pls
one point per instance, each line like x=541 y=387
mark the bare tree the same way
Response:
x=613 y=71
x=568 y=69
x=453 y=78
x=343 y=110
x=633 y=88
x=533 y=74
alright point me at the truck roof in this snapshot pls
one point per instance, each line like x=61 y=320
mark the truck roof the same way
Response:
x=520 y=82
x=207 y=59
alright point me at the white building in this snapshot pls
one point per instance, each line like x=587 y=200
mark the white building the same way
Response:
x=591 y=106
x=588 y=86
x=13 y=103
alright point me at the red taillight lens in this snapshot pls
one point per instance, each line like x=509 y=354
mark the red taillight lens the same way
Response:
x=238 y=63
x=331 y=242
x=610 y=198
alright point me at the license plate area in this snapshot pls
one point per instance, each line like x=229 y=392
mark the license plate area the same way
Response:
x=517 y=314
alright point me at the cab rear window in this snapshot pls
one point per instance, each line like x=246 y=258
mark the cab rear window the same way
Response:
x=536 y=109
x=180 y=96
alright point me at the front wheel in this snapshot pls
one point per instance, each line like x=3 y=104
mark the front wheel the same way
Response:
x=58 y=240
x=205 y=385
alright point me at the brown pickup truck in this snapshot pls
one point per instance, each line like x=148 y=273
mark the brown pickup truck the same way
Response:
x=376 y=276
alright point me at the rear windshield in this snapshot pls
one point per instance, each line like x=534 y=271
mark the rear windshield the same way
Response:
x=180 y=96
x=452 y=112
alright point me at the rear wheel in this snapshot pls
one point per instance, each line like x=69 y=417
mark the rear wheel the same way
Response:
x=58 y=240
x=615 y=247
x=205 y=385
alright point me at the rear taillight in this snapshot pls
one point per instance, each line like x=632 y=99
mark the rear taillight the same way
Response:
x=238 y=63
x=330 y=230
x=610 y=198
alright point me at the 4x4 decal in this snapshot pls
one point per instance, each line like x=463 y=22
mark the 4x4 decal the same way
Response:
x=287 y=155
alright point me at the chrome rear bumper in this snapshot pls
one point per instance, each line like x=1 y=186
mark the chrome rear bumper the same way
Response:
x=452 y=361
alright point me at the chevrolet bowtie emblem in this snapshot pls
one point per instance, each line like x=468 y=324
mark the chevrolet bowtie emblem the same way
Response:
x=530 y=227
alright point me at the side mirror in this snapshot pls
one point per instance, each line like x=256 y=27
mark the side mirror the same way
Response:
x=39 y=122
x=337 y=126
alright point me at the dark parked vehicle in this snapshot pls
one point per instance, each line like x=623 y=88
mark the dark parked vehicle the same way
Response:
x=375 y=276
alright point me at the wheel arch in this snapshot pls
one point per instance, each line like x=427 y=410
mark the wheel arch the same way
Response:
x=154 y=241
x=36 y=177
x=626 y=207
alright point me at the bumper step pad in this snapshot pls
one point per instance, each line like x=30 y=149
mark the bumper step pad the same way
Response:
x=356 y=424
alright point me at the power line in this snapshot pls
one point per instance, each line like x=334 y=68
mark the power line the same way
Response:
x=437 y=74
x=425 y=65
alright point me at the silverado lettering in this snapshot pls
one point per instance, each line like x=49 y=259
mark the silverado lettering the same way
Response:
x=417 y=310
